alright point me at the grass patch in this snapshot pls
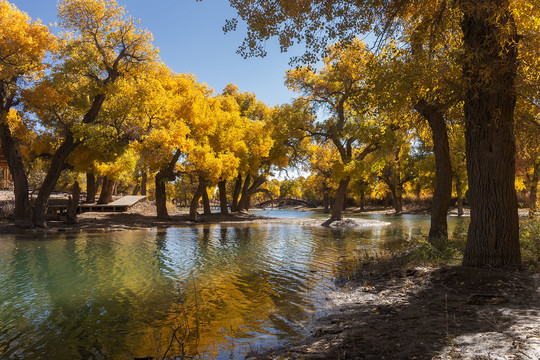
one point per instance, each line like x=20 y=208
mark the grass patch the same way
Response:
x=419 y=252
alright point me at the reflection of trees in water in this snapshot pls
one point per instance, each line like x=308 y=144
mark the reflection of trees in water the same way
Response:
x=89 y=297
x=223 y=230
x=237 y=292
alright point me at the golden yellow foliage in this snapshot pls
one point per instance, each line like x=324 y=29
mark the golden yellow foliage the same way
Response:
x=120 y=168
x=23 y=44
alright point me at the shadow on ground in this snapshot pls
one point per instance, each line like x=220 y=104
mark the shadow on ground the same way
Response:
x=448 y=313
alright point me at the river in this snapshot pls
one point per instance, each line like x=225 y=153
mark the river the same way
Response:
x=216 y=290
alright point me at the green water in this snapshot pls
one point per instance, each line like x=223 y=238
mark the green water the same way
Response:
x=219 y=291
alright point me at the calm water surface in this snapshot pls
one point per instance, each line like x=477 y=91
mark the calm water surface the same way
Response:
x=218 y=290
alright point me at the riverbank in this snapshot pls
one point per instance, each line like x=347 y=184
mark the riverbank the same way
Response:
x=143 y=216
x=140 y=216
x=411 y=209
x=388 y=312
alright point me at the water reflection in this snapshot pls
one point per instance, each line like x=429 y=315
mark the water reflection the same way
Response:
x=218 y=290
x=78 y=297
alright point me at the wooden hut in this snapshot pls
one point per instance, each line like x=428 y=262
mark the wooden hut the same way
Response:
x=5 y=176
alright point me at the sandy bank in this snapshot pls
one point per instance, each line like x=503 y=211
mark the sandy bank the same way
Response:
x=143 y=216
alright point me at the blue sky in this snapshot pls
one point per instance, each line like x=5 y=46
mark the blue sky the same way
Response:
x=190 y=38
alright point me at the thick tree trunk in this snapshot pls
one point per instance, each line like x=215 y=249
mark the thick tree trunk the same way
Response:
x=73 y=204
x=460 y=206
x=397 y=201
x=243 y=204
x=90 y=187
x=459 y=192
x=136 y=189
x=337 y=209
x=206 y=202
x=222 y=185
x=55 y=169
x=195 y=200
x=254 y=188
x=248 y=190
x=161 y=196
x=105 y=197
x=99 y=184
x=165 y=174
x=443 y=169
x=489 y=68
x=23 y=211
x=236 y=193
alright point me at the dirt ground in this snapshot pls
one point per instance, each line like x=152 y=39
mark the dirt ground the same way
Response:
x=140 y=216
x=386 y=311
x=143 y=215
x=444 y=313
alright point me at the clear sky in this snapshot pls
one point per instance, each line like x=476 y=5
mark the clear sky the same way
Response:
x=190 y=38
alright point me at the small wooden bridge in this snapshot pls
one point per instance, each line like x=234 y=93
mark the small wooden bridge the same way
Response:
x=120 y=205
x=285 y=202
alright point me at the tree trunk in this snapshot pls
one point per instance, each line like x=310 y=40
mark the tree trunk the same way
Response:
x=90 y=187
x=533 y=197
x=362 y=200
x=489 y=68
x=136 y=189
x=326 y=201
x=195 y=200
x=533 y=190
x=398 y=201
x=161 y=196
x=73 y=204
x=443 y=169
x=166 y=173
x=222 y=185
x=236 y=193
x=144 y=179
x=418 y=191
x=459 y=192
x=257 y=182
x=395 y=200
x=23 y=211
x=243 y=203
x=337 y=209
x=55 y=169
x=99 y=184
x=206 y=202
x=105 y=197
